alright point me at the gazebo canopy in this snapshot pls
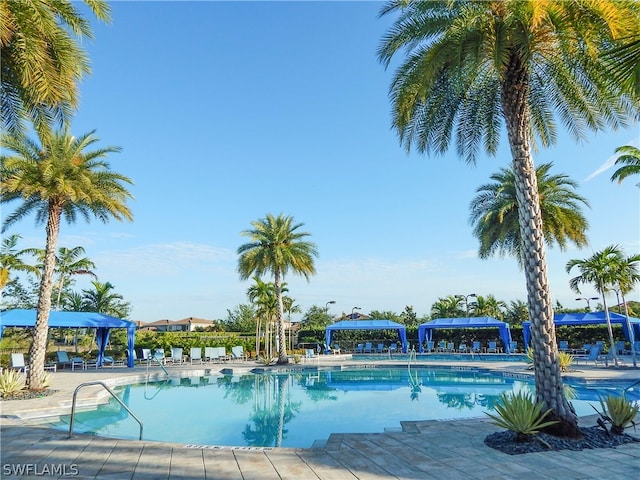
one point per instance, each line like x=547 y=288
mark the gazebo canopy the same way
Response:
x=589 y=318
x=101 y=322
x=426 y=329
x=367 y=325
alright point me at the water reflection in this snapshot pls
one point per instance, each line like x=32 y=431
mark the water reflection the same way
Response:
x=293 y=409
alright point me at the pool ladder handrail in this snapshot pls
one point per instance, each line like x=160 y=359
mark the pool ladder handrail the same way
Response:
x=87 y=384
x=629 y=387
x=153 y=357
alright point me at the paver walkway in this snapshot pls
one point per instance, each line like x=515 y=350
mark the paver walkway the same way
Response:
x=423 y=450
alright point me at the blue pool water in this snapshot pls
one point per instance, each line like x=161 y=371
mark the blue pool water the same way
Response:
x=294 y=409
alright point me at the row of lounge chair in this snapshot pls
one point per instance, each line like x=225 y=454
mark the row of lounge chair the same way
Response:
x=381 y=348
x=475 y=347
x=211 y=354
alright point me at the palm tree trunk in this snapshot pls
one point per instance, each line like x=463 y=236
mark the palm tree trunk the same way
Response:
x=38 y=348
x=632 y=337
x=612 y=342
x=548 y=379
x=283 y=359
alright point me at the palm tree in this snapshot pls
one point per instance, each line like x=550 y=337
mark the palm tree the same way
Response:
x=628 y=275
x=42 y=61
x=10 y=259
x=472 y=65
x=262 y=295
x=67 y=265
x=494 y=213
x=624 y=62
x=56 y=179
x=276 y=246
x=448 y=307
x=488 y=306
x=602 y=270
x=630 y=161
x=102 y=299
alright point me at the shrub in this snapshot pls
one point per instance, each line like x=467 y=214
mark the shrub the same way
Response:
x=520 y=413
x=619 y=412
x=565 y=359
x=11 y=381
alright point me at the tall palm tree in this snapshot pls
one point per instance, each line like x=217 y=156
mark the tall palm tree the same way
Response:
x=11 y=259
x=262 y=295
x=42 y=61
x=624 y=62
x=494 y=213
x=474 y=67
x=602 y=270
x=54 y=179
x=277 y=247
x=630 y=161
x=628 y=275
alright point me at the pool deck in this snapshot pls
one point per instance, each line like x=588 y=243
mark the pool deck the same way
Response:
x=420 y=450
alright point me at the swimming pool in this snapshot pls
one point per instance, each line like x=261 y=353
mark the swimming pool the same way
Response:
x=297 y=408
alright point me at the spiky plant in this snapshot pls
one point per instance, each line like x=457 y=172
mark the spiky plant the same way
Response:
x=619 y=412
x=521 y=414
x=11 y=381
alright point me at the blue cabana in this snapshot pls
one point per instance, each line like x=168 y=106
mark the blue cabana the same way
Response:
x=367 y=325
x=101 y=322
x=425 y=330
x=590 y=318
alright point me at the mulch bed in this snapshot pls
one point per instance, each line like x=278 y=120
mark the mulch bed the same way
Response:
x=26 y=395
x=592 y=437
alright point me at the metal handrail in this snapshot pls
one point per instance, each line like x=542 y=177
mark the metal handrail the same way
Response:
x=86 y=384
x=624 y=391
x=153 y=357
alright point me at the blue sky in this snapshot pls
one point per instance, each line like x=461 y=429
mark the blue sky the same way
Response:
x=228 y=111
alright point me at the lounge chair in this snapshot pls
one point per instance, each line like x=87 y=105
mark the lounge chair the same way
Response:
x=63 y=359
x=368 y=347
x=594 y=352
x=210 y=354
x=563 y=345
x=442 y=346
x=393 y=348
x=195 y=355
x=380 y=348
x=336 y=349
x=309 y=354
x=451 y=347
x=17 y=362
x=78 y=362
x=158 y=356
x=513 y=347
x=430 y=347
x=475 y=347
x=360 y=348
x=237 y=353
x=620 y=347
x=146 y=355
x=112 y=362
x=176 y=356
x=492 y=348
x=462 y=348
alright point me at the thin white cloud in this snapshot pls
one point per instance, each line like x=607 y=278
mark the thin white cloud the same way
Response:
x=610 y=161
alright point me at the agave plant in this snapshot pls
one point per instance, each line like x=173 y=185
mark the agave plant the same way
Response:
x=11 y=381
x=521 y=414
x=619 y=412
x=565 y=359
